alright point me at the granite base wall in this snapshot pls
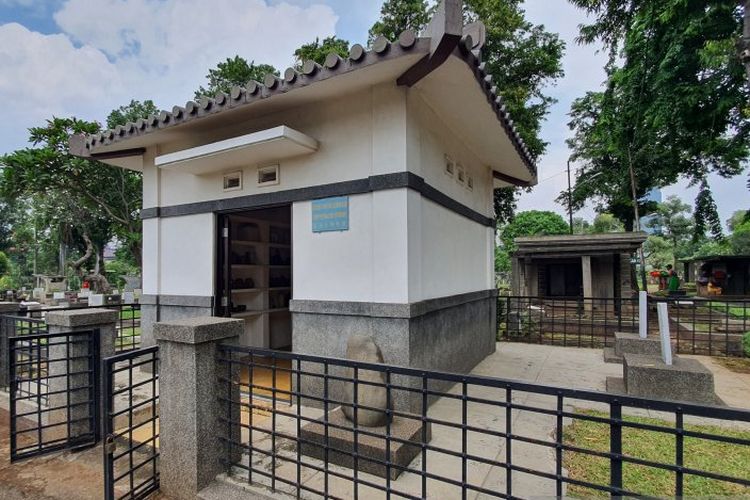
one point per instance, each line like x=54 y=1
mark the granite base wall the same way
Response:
x=170 y=308
x=451 y=337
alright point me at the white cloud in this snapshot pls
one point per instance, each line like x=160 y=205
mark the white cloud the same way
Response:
x=169 y=45
x=111 y=51
x=46 y=75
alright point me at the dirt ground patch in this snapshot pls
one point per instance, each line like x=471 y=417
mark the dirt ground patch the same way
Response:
x=57 y=476
x=737 y=365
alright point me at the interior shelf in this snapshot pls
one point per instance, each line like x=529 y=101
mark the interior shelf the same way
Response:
x=262 y=256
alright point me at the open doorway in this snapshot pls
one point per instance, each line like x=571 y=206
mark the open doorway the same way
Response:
x=254 y=283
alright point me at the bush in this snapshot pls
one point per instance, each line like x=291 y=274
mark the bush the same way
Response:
x=746 y=344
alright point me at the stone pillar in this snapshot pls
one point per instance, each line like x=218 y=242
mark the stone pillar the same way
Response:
x=77 y=386
x=5 y=308
x=190 y=411
x=588 y=283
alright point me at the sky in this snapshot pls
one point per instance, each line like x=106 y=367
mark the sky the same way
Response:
x=87 y=57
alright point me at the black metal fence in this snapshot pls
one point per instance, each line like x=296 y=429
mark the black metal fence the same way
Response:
x=128 y=322
x=698 y=326
x=131 y=424
x=54 y=392
x=451 y=435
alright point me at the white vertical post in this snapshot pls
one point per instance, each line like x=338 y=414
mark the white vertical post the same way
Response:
x=666 y=346
x=643 y=314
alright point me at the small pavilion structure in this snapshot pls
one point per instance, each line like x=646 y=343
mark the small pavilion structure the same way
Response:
x=573 y=266
x=352 y=197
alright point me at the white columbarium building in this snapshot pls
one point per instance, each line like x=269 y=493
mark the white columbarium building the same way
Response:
x=352 y=197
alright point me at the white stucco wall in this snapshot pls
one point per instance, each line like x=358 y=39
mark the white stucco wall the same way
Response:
x=367 y=263
x=359 y=134
x=186 y=255
x=400 y=247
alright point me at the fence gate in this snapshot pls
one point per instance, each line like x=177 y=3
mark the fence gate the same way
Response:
x=54 y=392
x=131 y=424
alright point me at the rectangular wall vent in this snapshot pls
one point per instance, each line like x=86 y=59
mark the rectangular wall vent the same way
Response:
x=268 y=175
x=450 y=167
x=233 y=181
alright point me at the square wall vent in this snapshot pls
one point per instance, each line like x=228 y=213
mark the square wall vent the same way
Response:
x=233 y=181
x=268 y=176
x=460 y=174
x=450 y=166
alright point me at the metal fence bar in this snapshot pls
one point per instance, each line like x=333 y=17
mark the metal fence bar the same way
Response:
x=426 y=386
x=698 y=325
x=131 y=424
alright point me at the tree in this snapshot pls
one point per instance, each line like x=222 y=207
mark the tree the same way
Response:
x=606 y=223
x=673 y=221
x=233 y=71
x=530 y=223
x=131 y=112
x=86 y=201
x=740 y=239
x=658 y=252
x=317 y=51
x=4 y=264
x=397 y=16
x=581 y=225
x=674 y=104
x=523 y=59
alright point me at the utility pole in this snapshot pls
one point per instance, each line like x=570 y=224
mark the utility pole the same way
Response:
x=570 y=201
x=637 y=221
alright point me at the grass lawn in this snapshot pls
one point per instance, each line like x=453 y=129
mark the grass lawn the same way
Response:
x=738 y=311
x=130 y=313
x=710 y=456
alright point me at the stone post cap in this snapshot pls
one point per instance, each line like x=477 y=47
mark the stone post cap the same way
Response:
x=198 y=330
x=9 y=307
x=82 y=317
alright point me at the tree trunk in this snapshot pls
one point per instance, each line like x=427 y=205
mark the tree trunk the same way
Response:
x=80 y=262
x=744 y=45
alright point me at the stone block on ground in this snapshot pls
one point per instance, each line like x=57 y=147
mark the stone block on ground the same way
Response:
x=685 y=380
x=632 y=343
x=372 y=447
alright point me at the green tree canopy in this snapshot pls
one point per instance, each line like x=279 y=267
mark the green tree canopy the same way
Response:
x=658 y=251
x=87 y=202
x=523 y=59
x=131 y=112
x=675 y=103
x=606 y=223
x=4 y=264
x=318 y=51
x=397 y=16
x=673 y=221
x=233 y=71
x=529 y=223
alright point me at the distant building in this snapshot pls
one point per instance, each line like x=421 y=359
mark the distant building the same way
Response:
x=727 y=275
x=572 y=266
x=655 y=196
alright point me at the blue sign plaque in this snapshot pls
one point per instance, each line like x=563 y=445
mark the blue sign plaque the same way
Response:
x=330 y=214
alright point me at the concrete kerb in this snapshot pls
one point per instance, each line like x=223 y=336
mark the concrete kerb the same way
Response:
x=190 y=412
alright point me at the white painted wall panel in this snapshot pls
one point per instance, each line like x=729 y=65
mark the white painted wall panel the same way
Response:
x=454 y=257
x=367 y=263
x=150 y=249
x=187 y=255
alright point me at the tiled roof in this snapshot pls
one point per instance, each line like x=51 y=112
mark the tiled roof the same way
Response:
x=311 y=72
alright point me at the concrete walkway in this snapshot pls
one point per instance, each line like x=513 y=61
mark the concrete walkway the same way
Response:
x=548 y=365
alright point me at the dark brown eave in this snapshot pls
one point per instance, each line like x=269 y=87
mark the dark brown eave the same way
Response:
x=106 y=142
x=513 y=181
